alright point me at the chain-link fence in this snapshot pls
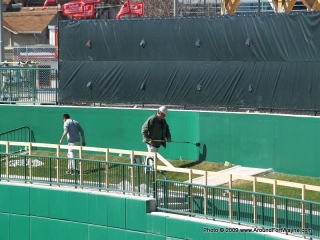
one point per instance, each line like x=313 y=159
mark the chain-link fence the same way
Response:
x=29 y=75
x=28 y=85
x=196 y=8
x=46 y=56
x=190 y=8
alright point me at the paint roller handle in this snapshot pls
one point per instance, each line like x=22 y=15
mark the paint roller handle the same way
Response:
x=148 y=140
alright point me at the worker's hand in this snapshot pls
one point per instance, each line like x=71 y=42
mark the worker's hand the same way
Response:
x=83 y=143
x=146 y=140
x=169 y=140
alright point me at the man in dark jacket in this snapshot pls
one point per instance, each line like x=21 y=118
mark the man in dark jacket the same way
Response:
x=155 y=130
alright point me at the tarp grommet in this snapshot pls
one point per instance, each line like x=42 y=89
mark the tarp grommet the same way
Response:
x=198 y=43
x=89 y=44
x=143 y=43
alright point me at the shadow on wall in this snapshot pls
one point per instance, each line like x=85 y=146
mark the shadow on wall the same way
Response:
x=33 y=139
x=203 y=155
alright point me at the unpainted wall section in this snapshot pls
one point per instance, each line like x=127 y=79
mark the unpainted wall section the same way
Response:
x=287 y=144
x=37 y=213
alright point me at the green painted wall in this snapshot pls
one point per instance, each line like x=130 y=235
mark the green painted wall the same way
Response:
x=288 y=144
x=36 y=213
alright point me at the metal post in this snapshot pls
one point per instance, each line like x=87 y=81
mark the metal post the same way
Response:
x=132 y=170
x=175 y=8
x=107 y=169
x=275 y=210
x=7 y=161
x=58 y=166
x=230 y=199
x=205 y=195
x=1 y=33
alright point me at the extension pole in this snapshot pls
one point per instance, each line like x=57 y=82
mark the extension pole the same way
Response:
x=195 y=143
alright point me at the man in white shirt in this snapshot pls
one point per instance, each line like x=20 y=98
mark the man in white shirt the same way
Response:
x=72 y=129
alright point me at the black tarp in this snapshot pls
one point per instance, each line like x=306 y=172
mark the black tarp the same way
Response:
x=256 y=61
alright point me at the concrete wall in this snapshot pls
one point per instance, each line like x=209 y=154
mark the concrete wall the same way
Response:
x=29 y=212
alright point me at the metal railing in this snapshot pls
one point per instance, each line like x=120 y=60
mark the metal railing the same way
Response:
x=229 y=178
x=28 y=85
x=264 y=211
x=110 y=176
x=269 y=212
x=21 y=134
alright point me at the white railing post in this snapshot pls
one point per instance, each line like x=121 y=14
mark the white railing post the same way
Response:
x=7 y=160
x=205 y=194
x=275 y=210
x=80 y=168
x=132 y=171
x=254 y=201
x=30 y=162
x=191 y=192
x=303 y=214
x=230 y=198
x=58 y=166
